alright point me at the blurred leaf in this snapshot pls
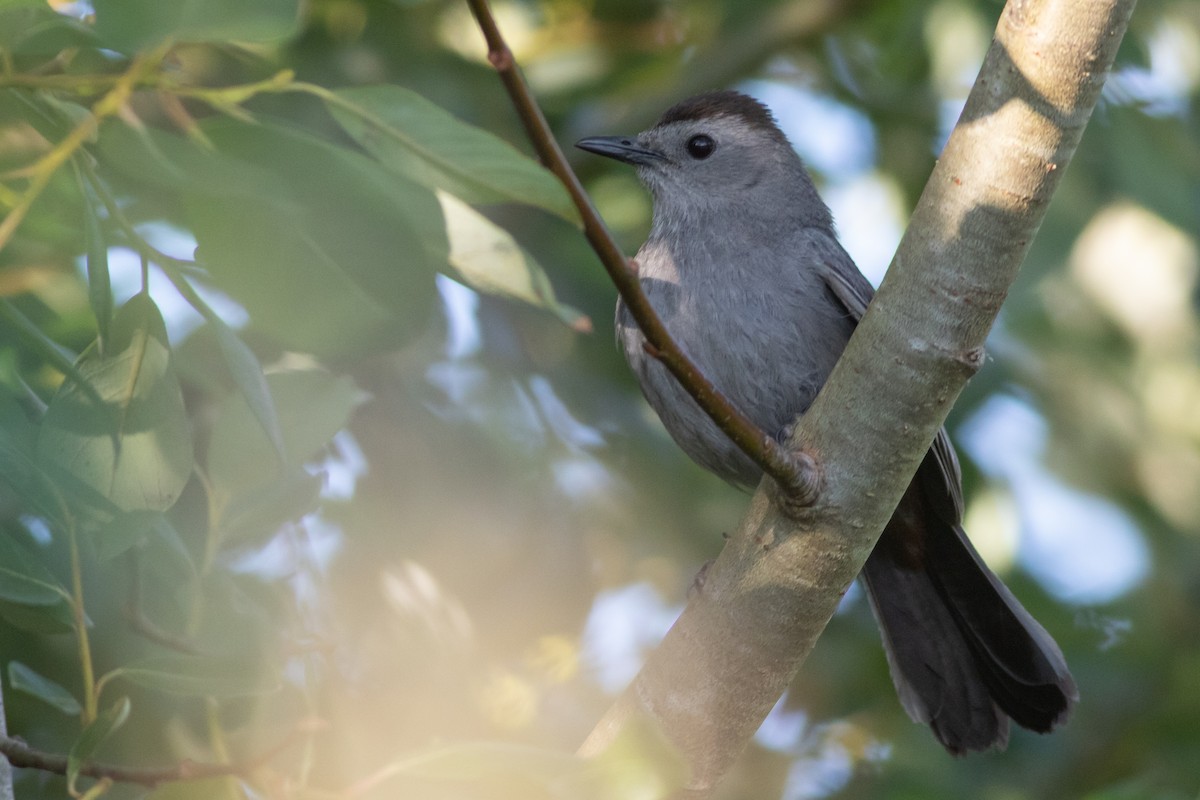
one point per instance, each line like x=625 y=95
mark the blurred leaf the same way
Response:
x=106 y=722
x=18 y=468
x=490 y=260
x=24 y=679
x=31 y=26
x=247 y=375
x=496 y=769
x=45 y=347
x=164 y=161
x=423 y=142
x=349 y=219
x=199 y=676
x=129 y=528
x=134 y=447
x=50 y=620
x=132 y=25
x=328 y=253
x=293 y=287
x=1169 y=186
x=100 y=294
x=313 y=405
x=23 y=579
x=255 y=516
x=206 y=789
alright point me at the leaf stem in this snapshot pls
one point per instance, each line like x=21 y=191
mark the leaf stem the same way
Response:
x=78 y=612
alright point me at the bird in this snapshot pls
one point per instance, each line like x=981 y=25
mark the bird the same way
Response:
x=743 y=265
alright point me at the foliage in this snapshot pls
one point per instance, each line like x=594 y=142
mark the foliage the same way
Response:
x=268 y=477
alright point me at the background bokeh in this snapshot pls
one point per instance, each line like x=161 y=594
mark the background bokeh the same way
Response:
x=498 y=528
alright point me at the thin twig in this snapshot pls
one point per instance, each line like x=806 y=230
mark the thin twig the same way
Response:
x=23 y=756
x=796 y=473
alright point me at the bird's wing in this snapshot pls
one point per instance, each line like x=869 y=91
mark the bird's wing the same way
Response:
x=854 y=292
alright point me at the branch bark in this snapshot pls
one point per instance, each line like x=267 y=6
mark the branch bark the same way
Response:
x=18 y=754
x=769 y=595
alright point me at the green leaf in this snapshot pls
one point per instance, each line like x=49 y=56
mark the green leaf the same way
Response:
x=247 y=374
x=53 y=619
x=171 y=163
x=255 y=516
x=313 y=405
x=45 y=347
x=129 y=528
x=31 y=26
x=18 y=468
x=424 y=143
x=490 y=260
x=100 y=294
x=289 y=281
x=132 y=25
x=24 y=679
x=134 y=447
x=105 y=724
x=201 y=676
x=327 y=252
x=23 y=579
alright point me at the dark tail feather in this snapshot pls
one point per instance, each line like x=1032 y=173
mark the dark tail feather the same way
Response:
x=964 y=654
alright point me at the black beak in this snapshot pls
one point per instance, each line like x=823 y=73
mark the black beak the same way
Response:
x=622 y=148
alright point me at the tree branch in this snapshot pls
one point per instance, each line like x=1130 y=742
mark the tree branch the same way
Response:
x=794 y=471
x=19 y=754
x=769 y=595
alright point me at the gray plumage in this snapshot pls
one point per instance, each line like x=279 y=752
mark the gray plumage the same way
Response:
x=744 y=268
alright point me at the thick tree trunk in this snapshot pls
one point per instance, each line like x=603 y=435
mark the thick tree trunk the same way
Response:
x=771 y=592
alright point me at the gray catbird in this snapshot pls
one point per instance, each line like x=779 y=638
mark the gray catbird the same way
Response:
x=745 y=269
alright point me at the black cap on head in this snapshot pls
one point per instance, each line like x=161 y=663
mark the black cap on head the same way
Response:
x=724 y=103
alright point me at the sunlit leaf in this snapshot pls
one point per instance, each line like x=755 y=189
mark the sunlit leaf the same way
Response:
x=94 y=735
x=130 y=25
x=25 y=679
x=423 y=142
x=490 y=260
x=134 y=447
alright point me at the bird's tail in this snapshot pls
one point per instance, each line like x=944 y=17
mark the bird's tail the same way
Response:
x=964 y=654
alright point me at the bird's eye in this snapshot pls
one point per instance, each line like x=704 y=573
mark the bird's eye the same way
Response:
x=701 y=146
